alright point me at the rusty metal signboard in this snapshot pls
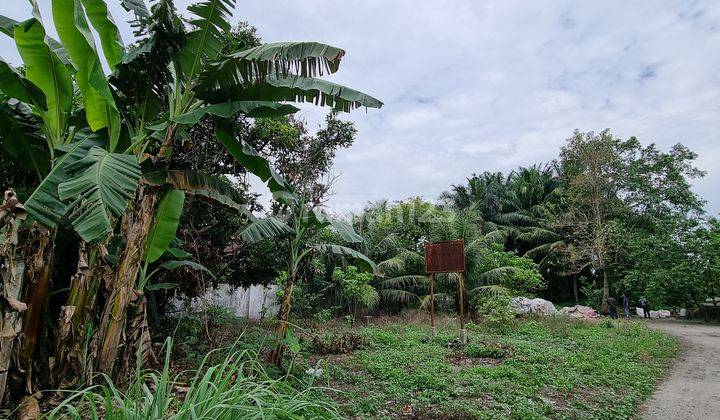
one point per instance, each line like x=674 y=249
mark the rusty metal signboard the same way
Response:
x=445 y=257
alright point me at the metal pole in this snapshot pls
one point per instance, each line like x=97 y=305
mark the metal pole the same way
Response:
x=461 y=287
x=432 y=306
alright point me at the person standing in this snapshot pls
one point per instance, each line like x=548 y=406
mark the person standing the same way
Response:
x=645 y=305
x=626 y=305
x=613 y=307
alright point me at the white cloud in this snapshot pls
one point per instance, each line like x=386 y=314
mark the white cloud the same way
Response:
x=470 y=86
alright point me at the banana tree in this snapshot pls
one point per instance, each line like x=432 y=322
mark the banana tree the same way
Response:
x=108 y=139
x=303 y=221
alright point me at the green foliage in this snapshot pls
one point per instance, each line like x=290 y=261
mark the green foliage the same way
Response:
x=592 y=295
x=238 y=387
x=165 y=224
x=536 y=372
x=676 y=264
x=494 y=309
x=101 y=183
x=74 y=31
x=484 y=350
x=356 y=288
x=307 y=300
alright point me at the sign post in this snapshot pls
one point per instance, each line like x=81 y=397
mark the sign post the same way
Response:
x=432 y=306
x=446 y=257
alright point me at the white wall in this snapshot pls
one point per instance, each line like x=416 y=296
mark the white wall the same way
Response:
x=254 y=302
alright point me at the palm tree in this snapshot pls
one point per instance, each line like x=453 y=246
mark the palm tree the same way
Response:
x=102 y=143
x=515 y=211
x=298 y=232
x=488 y=269
x=486 y=193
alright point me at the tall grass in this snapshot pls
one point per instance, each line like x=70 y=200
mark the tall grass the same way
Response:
x=237 y=388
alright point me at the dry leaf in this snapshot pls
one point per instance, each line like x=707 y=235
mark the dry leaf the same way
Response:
x=15 y=304
x=29 y=409
x=8 y=331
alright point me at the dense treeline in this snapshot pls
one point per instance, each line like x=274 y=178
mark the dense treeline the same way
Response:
x=607 y=217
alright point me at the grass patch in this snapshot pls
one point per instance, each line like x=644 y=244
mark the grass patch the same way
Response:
x=530 y=369
x=525 y=370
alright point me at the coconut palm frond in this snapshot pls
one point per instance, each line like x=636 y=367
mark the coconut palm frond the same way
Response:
x=370 y=297
x=542 y=251
x=392 y=265
x=398 y=297
x=403 y=282
x=537 y=235
x=498 y=275
x=389 y=243
x=491 y=290
x=496 y=237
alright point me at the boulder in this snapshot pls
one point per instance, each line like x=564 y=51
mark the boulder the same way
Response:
x=580 y=312
x=537 y=306
x=663 y=313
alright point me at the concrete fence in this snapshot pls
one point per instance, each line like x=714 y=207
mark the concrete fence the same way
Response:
x=254 y=302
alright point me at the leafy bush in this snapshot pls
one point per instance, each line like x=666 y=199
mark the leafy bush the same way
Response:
x=356 y=288
x=593 y=295
x=305 y=303
x=236 y=388
x=495 y=309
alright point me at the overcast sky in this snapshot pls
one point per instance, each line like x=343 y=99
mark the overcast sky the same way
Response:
x=476 y=85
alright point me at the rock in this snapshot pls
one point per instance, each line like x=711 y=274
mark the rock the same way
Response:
x=580 y=312
x=542 y=307
x=663 y=313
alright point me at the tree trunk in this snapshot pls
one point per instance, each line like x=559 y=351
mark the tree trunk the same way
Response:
x=37 y=295
x=575 y=289
x=74 y=316
x=12 y=271
x=138 y=349
x=276 y=354
x=604 y=308
x=114 y=318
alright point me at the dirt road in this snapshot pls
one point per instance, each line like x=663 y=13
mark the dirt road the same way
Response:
x=692 y=389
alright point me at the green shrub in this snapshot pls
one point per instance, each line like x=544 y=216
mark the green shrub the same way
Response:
x=495 y=310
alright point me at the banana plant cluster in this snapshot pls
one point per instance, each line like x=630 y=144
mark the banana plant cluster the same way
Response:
x=96 y=119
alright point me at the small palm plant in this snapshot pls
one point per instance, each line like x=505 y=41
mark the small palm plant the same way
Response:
x=298 y=233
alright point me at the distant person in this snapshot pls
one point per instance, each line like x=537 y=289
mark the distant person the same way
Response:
x=613 y=307
x=626 y=305
x=645 y=305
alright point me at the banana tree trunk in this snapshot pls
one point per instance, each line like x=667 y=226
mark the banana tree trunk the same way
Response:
x=13 y=270
x=115 y=312
x=276 y=354
x=138 y=350
x=75 y=315
x=38 y=273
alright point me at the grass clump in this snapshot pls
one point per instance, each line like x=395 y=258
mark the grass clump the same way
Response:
x=236 y=388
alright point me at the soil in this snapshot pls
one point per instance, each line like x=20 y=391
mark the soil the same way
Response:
x=692 y=388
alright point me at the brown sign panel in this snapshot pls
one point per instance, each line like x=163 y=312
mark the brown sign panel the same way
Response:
x=445 y=257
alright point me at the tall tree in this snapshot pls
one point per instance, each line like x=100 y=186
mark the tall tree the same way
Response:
x=614 y=186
